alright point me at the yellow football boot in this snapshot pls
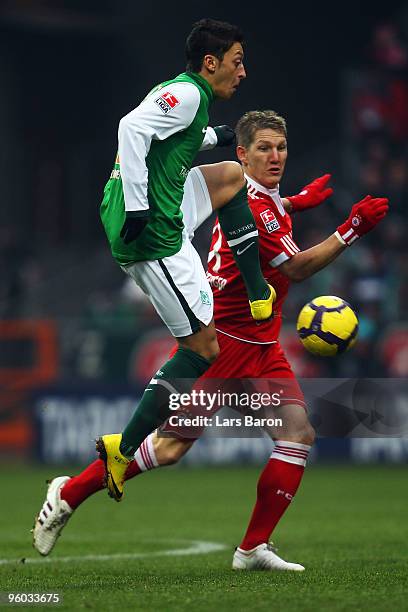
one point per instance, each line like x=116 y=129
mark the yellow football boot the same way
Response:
x=262 y=309
x=115 y=464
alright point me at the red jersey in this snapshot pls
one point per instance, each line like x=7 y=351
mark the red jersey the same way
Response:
x=276 y=245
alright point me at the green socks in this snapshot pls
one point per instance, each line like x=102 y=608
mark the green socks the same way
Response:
x=239 y=227
x=153 y=408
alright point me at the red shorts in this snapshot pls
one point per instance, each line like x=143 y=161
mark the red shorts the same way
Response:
x=240 y=359
x=242 y=362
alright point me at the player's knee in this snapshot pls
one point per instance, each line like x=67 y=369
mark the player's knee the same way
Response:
x=211 y=352
x=233 y=174
x=306 y=436
x=208 y=346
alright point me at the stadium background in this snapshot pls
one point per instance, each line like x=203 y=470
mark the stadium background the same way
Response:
x=77 y=342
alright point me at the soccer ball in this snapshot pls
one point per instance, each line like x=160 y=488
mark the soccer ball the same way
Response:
x=327 y=326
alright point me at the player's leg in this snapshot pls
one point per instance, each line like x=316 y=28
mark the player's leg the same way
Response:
x=282 y=474
x=241 y=361
x=226 y=187
x=155 y=452
x=65 y=494
x=179 y=290
x=277 y=486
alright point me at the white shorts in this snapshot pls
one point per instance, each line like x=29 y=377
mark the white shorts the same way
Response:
x=177 y=285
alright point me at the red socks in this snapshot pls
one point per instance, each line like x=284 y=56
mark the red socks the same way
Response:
x=277 y=485
x=91 y=480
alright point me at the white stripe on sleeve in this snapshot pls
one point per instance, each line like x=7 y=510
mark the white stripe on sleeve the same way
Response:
x=288 y=246
x=279 y=259
x=291 y=241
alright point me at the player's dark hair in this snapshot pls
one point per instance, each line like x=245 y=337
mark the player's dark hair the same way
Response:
x=253 y=121
x=210 y=36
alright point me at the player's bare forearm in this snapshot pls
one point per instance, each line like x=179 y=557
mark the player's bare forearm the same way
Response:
x=306 y=263
x=287 y=205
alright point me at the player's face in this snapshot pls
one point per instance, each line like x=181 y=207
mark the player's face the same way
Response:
x=264 y=160
x=229 y=72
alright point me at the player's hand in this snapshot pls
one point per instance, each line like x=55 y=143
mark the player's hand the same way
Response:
x=134 y=225
x=312 y=194
x=225 y=135
x=363 y=218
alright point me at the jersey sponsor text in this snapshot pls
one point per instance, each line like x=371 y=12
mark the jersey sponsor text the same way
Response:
x=216 y=281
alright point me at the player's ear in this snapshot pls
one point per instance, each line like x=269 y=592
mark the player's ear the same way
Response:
x=210 y=63
x=242 y=154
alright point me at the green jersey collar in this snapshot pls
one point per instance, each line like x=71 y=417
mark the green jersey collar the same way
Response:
x=203 y=84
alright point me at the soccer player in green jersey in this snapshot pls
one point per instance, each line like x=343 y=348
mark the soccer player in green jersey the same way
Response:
x=141 y=213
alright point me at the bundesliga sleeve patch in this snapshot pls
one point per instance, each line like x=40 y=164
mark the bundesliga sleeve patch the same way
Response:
x=270 y=221
x=167 y=102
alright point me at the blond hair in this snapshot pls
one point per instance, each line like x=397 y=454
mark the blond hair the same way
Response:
x=253 y=121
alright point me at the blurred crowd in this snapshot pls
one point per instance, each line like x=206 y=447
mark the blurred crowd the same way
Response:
x=372 y=276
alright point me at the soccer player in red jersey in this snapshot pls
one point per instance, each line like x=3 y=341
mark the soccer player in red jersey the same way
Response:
x=248 y=350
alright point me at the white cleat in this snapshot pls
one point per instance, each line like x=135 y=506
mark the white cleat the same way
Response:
x=52 y=518
x=262 y=557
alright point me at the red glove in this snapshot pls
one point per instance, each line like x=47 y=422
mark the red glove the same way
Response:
x=312 y=194
x=363 y=218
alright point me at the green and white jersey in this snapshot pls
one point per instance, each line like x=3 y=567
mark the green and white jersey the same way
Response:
x=158 y=142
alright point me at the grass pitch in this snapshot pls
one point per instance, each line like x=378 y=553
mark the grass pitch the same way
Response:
x=347 y=525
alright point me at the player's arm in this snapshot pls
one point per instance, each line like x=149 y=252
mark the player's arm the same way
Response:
x=162 y=113
x=363 y=217
x=310 y=196
x=308 y=262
